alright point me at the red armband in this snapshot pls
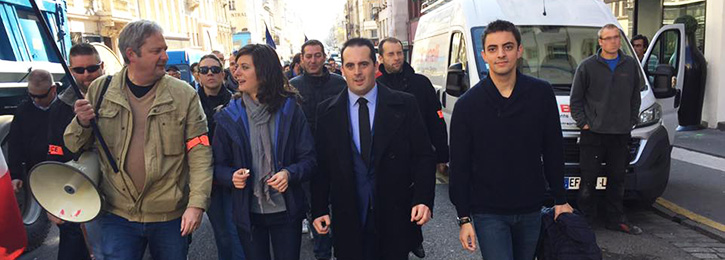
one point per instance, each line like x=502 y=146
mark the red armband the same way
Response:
x=199 y=140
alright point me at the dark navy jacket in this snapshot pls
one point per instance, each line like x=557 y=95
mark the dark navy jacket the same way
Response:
x=293 y=151
x=567 y=238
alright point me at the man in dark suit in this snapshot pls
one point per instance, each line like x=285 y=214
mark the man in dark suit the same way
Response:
x=376 y=164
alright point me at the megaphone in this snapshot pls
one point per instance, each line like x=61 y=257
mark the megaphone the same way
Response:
x=68 y=191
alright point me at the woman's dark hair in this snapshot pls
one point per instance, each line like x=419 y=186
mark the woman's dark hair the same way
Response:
x=273 y=85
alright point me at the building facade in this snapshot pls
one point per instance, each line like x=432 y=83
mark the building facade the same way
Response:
x=194 y=24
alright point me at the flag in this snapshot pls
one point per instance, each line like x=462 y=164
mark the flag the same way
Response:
x=13 y=239
x=270 y=40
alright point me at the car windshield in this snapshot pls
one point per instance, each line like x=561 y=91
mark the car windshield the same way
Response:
x=551 y=53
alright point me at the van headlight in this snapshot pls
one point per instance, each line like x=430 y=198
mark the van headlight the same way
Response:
x=650 y=115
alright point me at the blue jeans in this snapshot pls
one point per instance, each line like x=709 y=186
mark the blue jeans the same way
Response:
x=284 y=233
x=126 y=240
x=95 y=238
x=508 y=237
x=225 y=232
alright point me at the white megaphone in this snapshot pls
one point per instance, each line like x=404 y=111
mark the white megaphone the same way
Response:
x=68 y=191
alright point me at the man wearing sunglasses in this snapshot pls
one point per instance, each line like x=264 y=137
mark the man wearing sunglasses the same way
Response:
x=28 y=136
x=85 y=67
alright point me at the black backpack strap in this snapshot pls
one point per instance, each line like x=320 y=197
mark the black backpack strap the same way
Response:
x=103 y=93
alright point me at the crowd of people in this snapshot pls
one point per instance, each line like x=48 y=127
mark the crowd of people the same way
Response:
x=354 y=150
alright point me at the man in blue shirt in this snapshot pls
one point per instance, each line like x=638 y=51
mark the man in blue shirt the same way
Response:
x=376 y=164
x=605 y=100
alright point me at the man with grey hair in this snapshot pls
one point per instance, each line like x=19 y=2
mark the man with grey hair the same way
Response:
x=156 y=131
x=605 y=105
x=28 y=136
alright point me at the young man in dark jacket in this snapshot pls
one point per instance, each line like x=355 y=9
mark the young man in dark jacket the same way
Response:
x=85 y=66
x=399 y=75
x=315 y=85
x=605 y=105
x=506 y=145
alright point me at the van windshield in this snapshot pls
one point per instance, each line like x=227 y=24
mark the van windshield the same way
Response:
x=551 y=53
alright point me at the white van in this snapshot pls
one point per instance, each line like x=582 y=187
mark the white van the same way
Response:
x=556 y=36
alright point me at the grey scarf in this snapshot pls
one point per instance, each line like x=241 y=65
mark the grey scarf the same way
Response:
x=261 y=144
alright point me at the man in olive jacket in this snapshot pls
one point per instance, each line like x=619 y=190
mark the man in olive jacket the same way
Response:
x=156 y=129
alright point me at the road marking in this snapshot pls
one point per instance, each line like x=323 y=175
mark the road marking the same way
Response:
x=690 y=215
x=705 y=160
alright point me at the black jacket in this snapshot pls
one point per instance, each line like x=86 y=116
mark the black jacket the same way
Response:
x=402 y=158
x=567 y=238
x=229 y=82
x=212 y=105
x=27 y=139
x=428 y=103
x=608 y=101
x=505 y=151
x=61 y=113
x=315 y=90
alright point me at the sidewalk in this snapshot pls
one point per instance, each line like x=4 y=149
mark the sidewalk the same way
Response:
x=695 y=190
x=707 y=141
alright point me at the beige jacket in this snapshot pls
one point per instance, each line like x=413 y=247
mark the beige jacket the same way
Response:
x=175 y=178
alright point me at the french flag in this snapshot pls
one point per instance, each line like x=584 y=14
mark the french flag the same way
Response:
x=13 y=239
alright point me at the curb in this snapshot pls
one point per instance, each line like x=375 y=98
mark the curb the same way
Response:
x=689 y=219
x=698 y=151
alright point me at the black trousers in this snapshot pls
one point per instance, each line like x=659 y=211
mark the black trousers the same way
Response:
x=613 y=150
x=274 y=230
x=72 y=245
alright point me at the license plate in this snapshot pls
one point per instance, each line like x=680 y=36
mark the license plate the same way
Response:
x=572 y=183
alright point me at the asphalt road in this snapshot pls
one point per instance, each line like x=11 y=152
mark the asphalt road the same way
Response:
x=660 y=240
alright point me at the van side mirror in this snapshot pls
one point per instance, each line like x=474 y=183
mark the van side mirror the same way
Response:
x=663 y=81
x=457 y=80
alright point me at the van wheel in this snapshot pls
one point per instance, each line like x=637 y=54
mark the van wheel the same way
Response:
x=36 y=222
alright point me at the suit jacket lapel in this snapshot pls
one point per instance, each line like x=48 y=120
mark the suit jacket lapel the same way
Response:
x=389 y=117
x=340 y=120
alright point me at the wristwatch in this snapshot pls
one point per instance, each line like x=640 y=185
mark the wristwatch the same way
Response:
x=463 y=220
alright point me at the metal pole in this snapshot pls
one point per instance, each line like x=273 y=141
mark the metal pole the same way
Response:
x=56 y=50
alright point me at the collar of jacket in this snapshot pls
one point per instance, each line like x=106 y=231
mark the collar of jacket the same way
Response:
x=317 y=79
x=223 y=92
x=234 y=119
x=620 y=55
x=496 y=100
x=163 y=93
x=407 y=70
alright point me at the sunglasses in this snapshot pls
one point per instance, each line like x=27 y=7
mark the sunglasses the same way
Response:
x=90 y=69
x=41 y=96
x=214 y=70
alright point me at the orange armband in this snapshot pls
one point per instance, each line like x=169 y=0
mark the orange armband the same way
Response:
x=199 y=140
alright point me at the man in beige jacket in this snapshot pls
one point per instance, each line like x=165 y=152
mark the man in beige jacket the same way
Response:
x=156 y=130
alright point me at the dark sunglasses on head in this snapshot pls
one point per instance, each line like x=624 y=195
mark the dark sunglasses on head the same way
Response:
x=41 y=96
x=90 y=69
x=214 y=69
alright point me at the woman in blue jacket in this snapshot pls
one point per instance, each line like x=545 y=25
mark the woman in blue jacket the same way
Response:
x=263 y=148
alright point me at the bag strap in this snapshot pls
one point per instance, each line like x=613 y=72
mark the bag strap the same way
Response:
x=103 y=93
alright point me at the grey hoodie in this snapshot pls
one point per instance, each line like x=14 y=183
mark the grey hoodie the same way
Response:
x=608 y=101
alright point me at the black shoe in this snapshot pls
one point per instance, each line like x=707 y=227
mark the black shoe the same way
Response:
x=419 y=251
x=624 y=227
